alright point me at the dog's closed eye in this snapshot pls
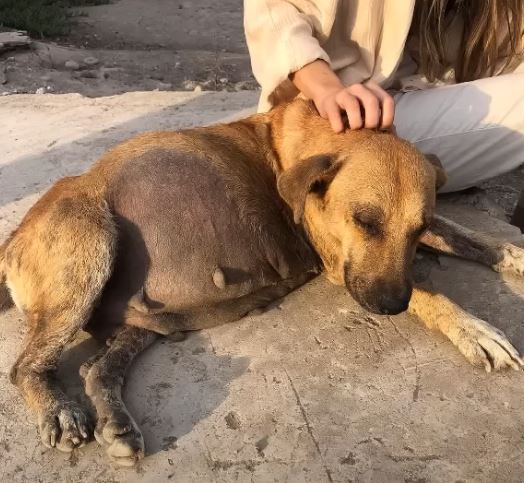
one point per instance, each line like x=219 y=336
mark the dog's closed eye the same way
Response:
x=369 y=221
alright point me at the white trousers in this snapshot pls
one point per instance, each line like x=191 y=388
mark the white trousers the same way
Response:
x=475 y=128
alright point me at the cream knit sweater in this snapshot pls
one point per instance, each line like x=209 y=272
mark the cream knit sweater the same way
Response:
x=353 y=36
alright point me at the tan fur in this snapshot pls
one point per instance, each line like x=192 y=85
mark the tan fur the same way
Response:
x=359 y=201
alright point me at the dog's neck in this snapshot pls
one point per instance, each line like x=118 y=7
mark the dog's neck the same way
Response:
x=295 y=132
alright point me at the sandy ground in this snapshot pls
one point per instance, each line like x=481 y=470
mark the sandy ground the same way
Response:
x=315 y=390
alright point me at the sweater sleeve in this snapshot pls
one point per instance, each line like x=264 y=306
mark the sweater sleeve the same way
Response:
x=280 y=41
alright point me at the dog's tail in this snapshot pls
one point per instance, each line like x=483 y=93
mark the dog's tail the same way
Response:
x=5 y=297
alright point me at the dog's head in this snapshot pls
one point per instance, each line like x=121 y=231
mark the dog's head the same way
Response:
x=366 y=207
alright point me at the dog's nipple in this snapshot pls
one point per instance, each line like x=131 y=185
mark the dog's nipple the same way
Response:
x=219 y=279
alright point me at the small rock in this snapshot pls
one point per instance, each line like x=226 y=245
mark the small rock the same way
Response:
x=262 y=444
x=232 y=420
x=197 y=89
x=240 y=86
x=209 y=84
x=40 y=90
x=189 y=85
x=10 y=59
x=164 y=86
x=349 y=459
x=177 y=64
x=72 y=65
x=91 y=61
x=223 y=80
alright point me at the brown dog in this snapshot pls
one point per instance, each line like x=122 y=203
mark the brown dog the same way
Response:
x=179 y=231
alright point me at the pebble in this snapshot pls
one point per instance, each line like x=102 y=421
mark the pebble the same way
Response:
x=233 y=420
x=40 y=90
x=244 y=86
x=91 y=61
x=164 y=86
x=189 y=84
x=72 y=65
x=223 y=80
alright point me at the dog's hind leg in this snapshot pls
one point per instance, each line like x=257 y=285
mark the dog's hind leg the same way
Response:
x=116 y=430
x=56 y=265
x=481 y=343
x=450 y=238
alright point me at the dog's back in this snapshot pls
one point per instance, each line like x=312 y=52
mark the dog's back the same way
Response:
x=191 y=221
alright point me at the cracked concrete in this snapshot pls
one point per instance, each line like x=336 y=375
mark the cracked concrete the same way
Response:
x=314 y=390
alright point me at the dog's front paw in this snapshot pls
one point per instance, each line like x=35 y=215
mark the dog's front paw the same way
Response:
x=122 y=439
x=485 y=346
x=65 y=426
x=512 y=260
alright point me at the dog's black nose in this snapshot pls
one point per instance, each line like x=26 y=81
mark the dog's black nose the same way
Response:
x=394 y=303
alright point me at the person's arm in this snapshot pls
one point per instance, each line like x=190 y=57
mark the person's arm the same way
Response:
x=366 y=105
x=282 y=46
x=280 y=41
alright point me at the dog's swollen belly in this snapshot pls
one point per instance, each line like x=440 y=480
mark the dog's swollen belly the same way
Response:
x=193 y=250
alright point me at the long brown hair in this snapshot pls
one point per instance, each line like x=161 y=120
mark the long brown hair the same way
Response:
x=492 y=38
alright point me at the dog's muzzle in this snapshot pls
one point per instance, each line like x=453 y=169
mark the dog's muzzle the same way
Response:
x=379 y=296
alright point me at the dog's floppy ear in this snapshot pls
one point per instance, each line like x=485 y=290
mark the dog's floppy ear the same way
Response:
x=310 y=174
x=441 y=176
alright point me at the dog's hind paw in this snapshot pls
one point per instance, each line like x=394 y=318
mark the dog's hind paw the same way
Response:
x=122 y=439
x=65 y=426
x=485 y=346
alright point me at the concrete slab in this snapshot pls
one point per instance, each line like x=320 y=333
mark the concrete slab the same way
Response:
x=313 y=390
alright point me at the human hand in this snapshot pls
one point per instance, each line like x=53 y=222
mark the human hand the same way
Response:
x=366 y=105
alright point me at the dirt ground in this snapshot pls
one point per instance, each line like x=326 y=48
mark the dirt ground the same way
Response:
x=132 y=45
x=314 y=390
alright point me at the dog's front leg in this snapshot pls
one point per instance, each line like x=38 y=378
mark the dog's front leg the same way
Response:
x=450 y=238
x=482 y=344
